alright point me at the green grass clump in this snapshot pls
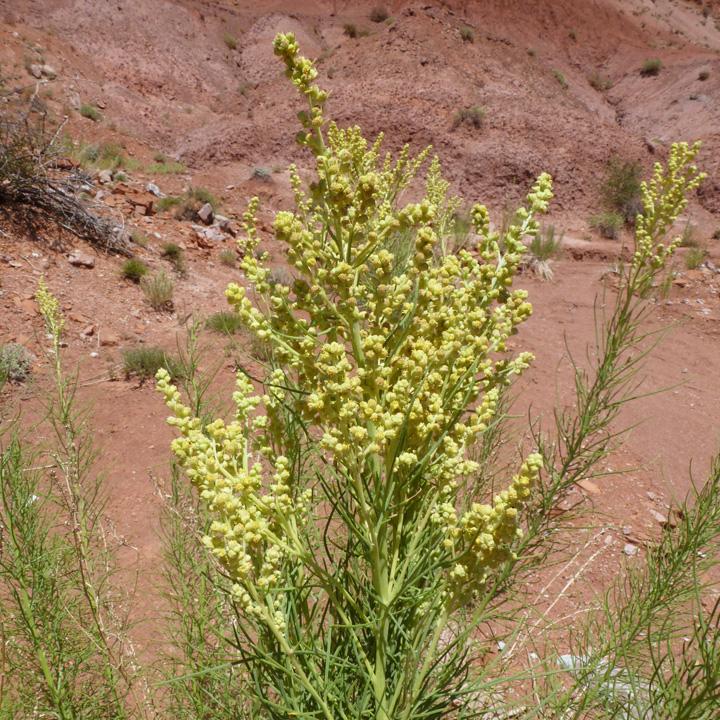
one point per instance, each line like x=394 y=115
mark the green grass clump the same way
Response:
x=473 y=116
x=134 y=269
x=175 y=255
x=688 y=237
x=467 y=34
x=546 y=244
x=90 y=112
x=620 y=190
x=139 y=238
x=166 y=167
x=561 y=79
x=15 y=363
x=599 y=82
x=379 y=14
x=651 y=67
x=225 y=322
x=158 y=289
x=228 y=258
x=104 y=156
x=608 y=224
x=695 y=257
x=168 y=202
x=144 y=362
x=230 y=41
x=350 y=30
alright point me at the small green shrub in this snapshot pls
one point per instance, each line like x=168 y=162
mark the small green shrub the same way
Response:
x=140 y=238
x=225 y=322
x=134 y=269
x=561 y=79
x=689 y=238
x=230 y=41
x=90 y=112
x=158 y=290
x=104 y=156
x=15 y=363
x=166 y=167
x=379 y=14
x=167 y=203
x=350 y=30
x=546 y=244
x=467 y=34
x=228 y=258
x=572 y=35
x=144 y=362
x=651 y=68
x=620 y=191
x=599 y=82
x=473 y=116
x=175 y=255
x=608 y=224
x=262 y=173
x=695 y=257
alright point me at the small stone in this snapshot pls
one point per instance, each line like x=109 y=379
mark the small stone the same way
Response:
x=35 y=71
x=81 y=259
x=109 y=338
x=589 y=486
x=104 y=176
x=88 y=331
x=155 y=190
x=630 y=549
x=205 y=213
x=94 y=354
x=653 y=496
x=48 y=71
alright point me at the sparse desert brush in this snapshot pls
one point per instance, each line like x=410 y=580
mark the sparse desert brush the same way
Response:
x=716 y=234
x=175 y=255
x=354 y=532
x=134 y=269
x=379 y=14
x=168 y=202
x=688 y=238
x=350 y=29
x=90 y=112
x=158 y=289
x=608 y=224
x=225 y=322
x=467 y=34
x=543 y=248
x=651 y=67
x=621 y=188
x=166 y=167
x=15 y=363
x=695 y=257
x=703 y=75
x=144 y=362
x=139 y=238
x=230 y=41
x=262 y=173
x=227 y=257
x=187 y=205
x=473 y=116
x=561 y=79
x=599 y=82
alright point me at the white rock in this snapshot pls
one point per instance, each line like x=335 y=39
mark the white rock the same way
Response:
x=205 y=213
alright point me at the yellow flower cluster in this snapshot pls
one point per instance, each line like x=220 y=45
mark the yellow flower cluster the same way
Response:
x=389 y=346
x=253 y=529
x=664 y=198
x=50 y=310
x=482 y=538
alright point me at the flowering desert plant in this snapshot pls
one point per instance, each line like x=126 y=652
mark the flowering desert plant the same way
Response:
x=358 y=545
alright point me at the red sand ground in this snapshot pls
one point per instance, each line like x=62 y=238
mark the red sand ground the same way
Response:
x=166 y=81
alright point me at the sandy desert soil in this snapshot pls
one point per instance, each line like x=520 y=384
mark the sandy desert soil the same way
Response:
x=165 y=80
